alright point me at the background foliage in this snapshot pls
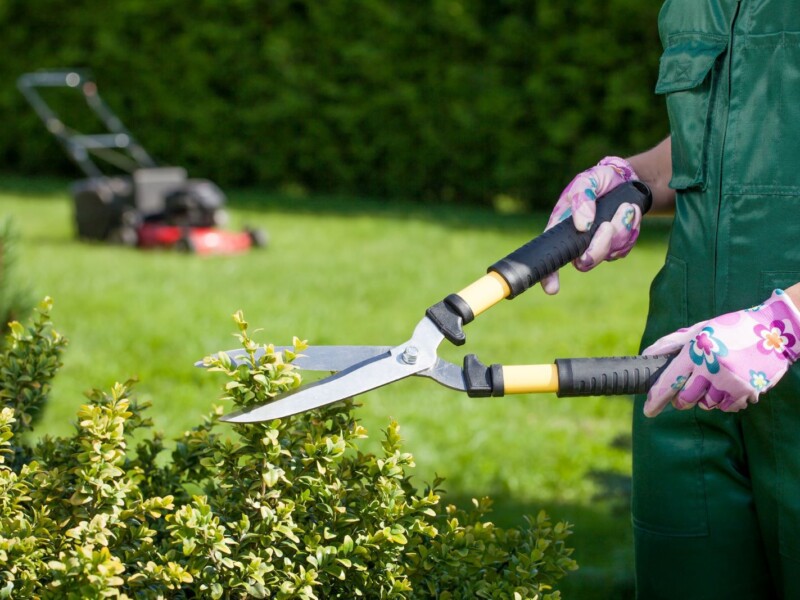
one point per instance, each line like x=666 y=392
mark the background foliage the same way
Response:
x=462 y=100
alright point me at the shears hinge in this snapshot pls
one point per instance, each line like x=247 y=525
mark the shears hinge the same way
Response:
x=449 y=316
x=482 y=381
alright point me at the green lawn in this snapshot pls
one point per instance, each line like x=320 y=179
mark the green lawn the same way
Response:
x=354 y=271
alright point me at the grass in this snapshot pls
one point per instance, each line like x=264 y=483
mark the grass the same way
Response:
x=354 y=271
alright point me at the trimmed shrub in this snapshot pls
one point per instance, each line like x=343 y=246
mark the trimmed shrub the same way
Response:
x=287 y=509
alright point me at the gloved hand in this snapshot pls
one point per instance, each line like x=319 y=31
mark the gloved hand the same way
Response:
x=613 y=239
x=728 y=361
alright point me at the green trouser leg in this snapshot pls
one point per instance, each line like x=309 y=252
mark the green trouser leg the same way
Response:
x=716 y=501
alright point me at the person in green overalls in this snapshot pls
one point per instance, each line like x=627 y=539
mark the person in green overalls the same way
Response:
x=716 y=489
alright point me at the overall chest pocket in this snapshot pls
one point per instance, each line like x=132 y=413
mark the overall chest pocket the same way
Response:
x=687 y=78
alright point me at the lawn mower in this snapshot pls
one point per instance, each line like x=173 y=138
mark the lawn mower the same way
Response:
x=140 y=203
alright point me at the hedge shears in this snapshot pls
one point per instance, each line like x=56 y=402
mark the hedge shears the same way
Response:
x=359 y=369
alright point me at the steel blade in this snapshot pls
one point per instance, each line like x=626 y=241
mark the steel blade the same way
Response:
x=339 y=358
x=314 y=358
x=414 y=356
x=447 y=374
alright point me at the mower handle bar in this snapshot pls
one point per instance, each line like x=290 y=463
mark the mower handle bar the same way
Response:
x=77 y=145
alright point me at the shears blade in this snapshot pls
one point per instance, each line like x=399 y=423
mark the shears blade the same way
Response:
x=334 y=359
x=314 y=358
x=416 y=355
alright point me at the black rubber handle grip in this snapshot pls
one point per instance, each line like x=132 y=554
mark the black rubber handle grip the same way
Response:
x=562 y=244
x=610 y=376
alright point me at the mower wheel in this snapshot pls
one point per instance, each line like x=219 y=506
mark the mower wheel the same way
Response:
x=124 y=235
x=258 y=237
x=185 y=244
x=131 y=218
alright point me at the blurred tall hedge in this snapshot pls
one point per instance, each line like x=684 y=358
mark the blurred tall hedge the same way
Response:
x=455 y=100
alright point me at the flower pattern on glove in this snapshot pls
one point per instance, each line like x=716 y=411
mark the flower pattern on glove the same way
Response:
x=727 y=362
x=775 y=338
x=612 y=239
x=680 y=383
x=628 y=219
x=759 y=380
x=705 y=348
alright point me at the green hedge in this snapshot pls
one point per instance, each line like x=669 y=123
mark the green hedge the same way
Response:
x=460 y=100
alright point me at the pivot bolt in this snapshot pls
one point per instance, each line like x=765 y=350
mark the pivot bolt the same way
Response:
x=410 y=355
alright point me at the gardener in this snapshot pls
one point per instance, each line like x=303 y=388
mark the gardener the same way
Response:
x=716 y=493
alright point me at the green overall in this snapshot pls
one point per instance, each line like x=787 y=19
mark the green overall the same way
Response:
x=716 y=496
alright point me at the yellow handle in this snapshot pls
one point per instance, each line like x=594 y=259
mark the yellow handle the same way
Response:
x=485 y=292
x=530 y=379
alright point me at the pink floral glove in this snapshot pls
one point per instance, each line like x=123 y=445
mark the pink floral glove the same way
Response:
x=728 y=361
x=613 y=239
